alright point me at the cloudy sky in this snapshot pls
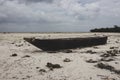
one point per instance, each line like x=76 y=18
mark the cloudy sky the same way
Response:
x=57 y=15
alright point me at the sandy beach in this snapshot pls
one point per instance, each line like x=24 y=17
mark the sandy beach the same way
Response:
x=19 y=60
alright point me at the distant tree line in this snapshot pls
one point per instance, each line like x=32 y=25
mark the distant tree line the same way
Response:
x=113 y=29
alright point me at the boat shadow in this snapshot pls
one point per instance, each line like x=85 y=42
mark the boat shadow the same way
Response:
x=58 y=51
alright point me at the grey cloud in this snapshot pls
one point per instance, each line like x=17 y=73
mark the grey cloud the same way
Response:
x=86 y=1
x=49 y=1
x=34 y=1
x=59 y=15
x=27 y=1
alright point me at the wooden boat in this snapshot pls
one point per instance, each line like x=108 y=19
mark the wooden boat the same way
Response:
x=66 y=43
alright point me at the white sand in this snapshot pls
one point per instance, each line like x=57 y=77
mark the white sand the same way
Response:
x=25 y=68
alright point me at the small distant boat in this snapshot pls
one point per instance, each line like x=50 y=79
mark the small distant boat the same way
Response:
x=66 y=43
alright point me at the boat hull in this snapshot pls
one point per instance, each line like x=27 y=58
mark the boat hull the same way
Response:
x=66 y=43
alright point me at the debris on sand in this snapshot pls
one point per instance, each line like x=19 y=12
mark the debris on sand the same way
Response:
x=28 y=76
x=28 y=44
x=107 y=67
x=117 y=71
x=66 y=60
x=42 y=70
x=37 y=67
x=26 y=56
x=91 y=61
x=106 y=59
x=111 y=53
x=113 y=47
x=116 y=62
x=105 y=55
x=90 y=51
x=19 y=45
x=53 y=66
x=13 y=43
x=13 y=55
x=103 y=77
x=117 y=41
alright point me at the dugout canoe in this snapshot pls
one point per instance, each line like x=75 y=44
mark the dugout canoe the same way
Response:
x=66 y=43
